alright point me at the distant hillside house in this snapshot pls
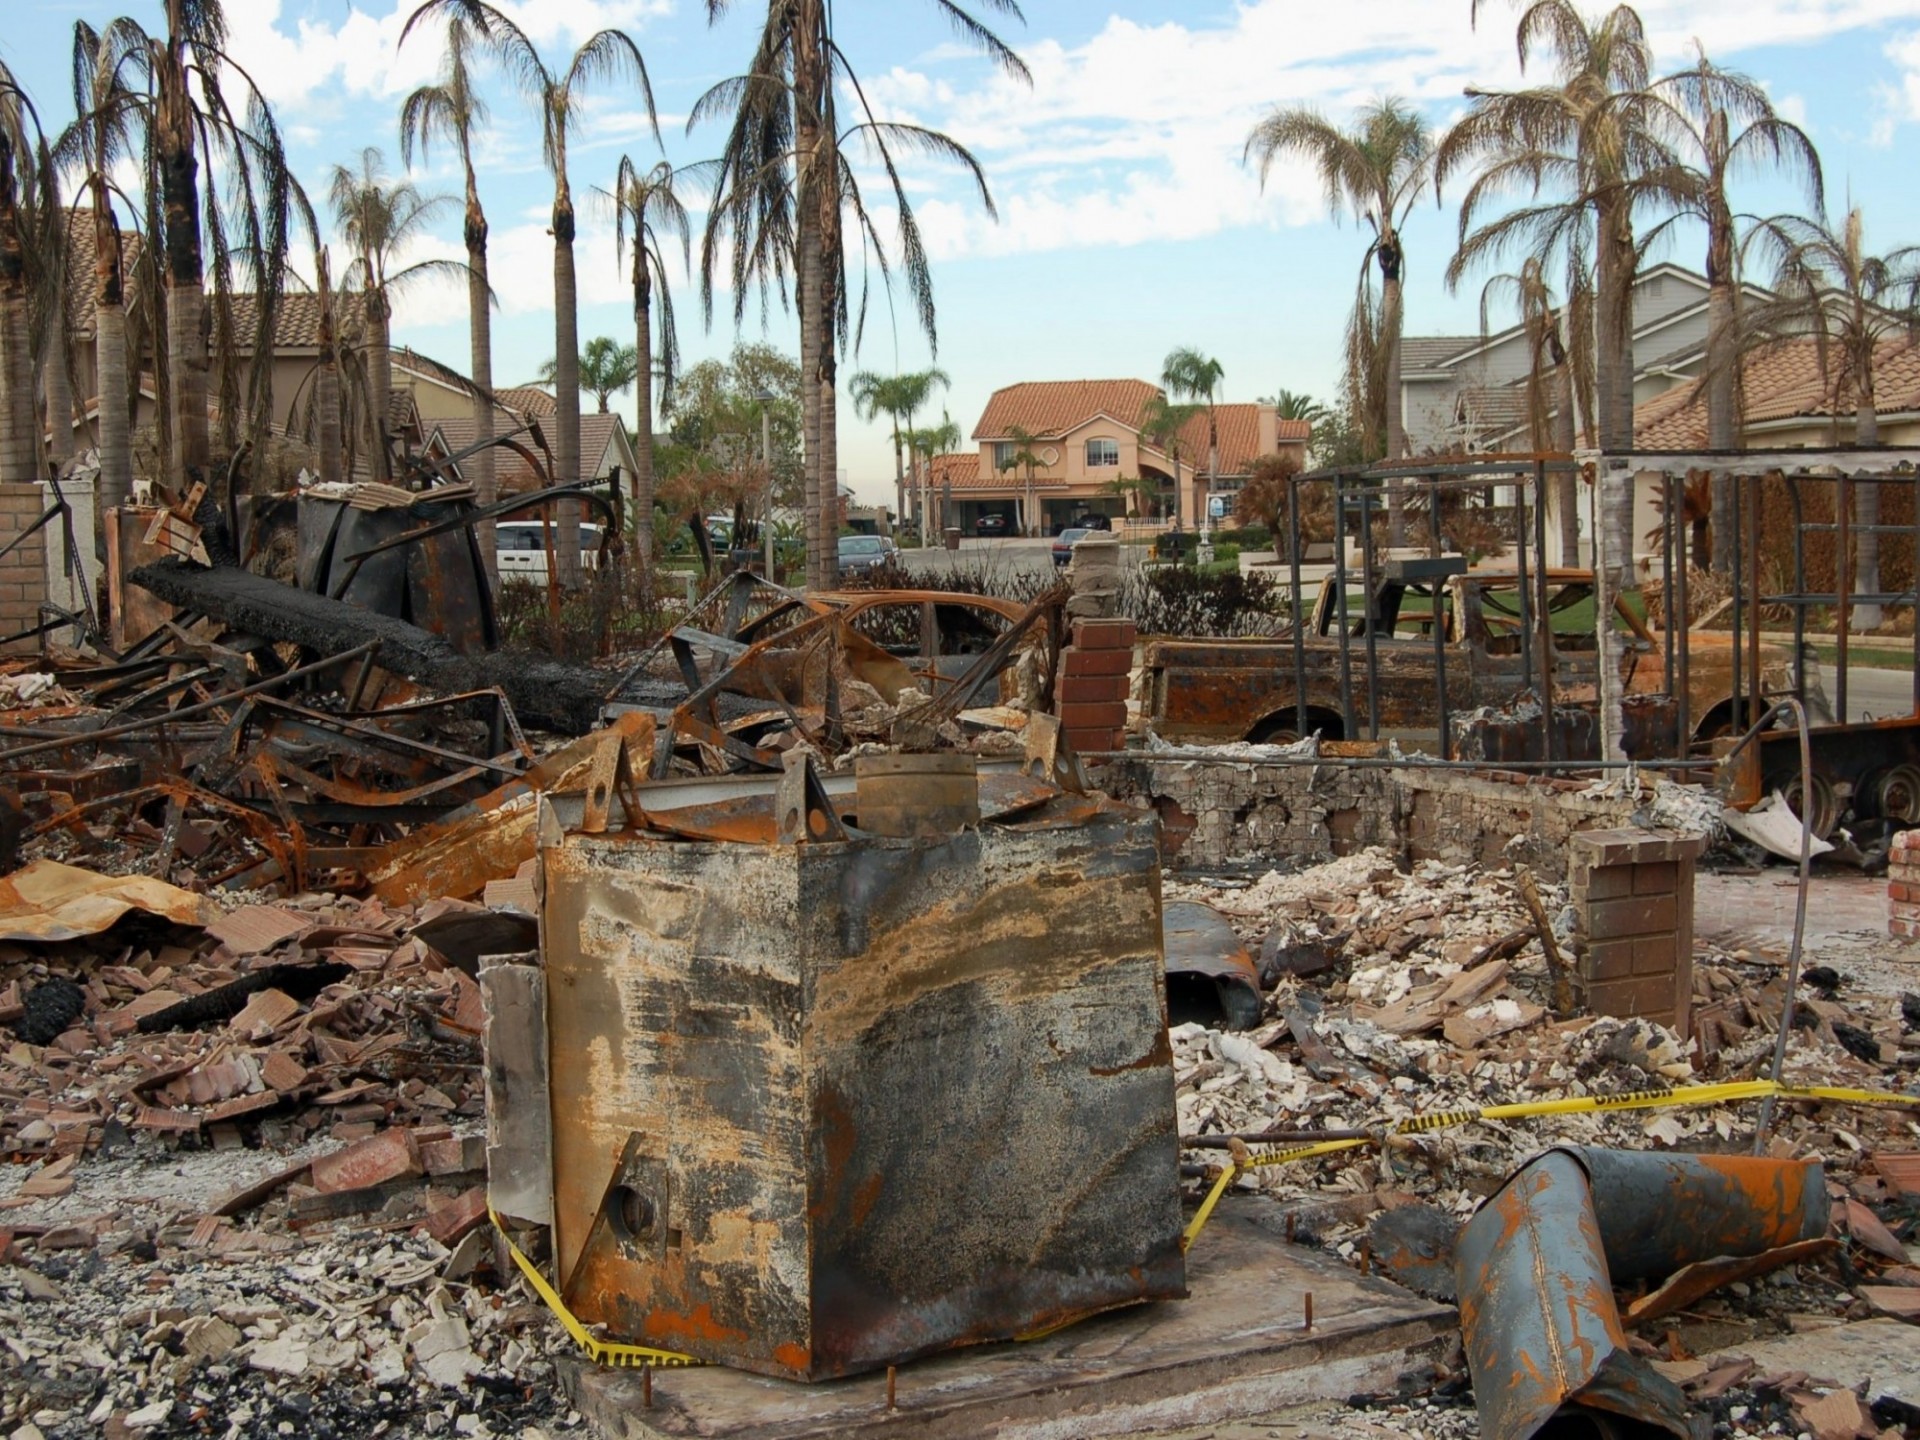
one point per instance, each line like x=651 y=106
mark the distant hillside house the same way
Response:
x=1090 y=457
x=1468 y=392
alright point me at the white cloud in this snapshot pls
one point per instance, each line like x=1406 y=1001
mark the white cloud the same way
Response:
x=362 y=52
x=1900 y=102
x=1137 y=133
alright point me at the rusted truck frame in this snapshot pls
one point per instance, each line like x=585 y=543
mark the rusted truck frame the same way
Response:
x=1221 y=690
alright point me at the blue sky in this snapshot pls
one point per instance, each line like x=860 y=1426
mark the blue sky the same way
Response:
x=1127 y=223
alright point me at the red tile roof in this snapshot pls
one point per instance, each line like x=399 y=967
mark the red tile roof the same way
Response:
x=528 y=400
x=962 y=470
x=1050 y=409
x=1782 y=381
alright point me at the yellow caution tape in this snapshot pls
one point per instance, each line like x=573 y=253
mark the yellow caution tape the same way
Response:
x=1674 y=1099
x=601 y=1352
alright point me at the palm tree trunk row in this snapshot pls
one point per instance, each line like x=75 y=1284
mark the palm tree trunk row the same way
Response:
x=643 y=442
x=486 y=484
x=566 y=388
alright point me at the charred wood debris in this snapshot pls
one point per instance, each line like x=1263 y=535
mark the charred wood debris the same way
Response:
x=254 y=858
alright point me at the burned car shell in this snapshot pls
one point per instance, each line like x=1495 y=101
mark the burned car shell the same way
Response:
x=1200 y=690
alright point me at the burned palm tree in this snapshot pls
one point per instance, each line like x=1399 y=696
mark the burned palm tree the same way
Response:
x=1717 y=125
x=107 y=134
x=450 y=109
x=556 y=93
x=785 y=189
x=1830 y=286
x=28 y=203
x=381 y=218
x=647 y=207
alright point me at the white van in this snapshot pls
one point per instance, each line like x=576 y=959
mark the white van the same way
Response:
x=520 y=549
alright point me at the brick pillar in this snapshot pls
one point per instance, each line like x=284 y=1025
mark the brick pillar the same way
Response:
x=23 y=571
x=1091 y=688
x=1633 y=899
x=1903 y=886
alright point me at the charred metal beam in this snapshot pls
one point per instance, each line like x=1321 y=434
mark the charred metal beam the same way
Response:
x=553 y=694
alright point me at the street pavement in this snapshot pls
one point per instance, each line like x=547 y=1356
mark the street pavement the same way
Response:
x=1871 y=694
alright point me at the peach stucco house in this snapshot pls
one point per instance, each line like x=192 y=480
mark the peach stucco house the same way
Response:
x=1087 y=447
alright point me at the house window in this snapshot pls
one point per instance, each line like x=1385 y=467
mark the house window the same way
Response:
x=1102 y=453
x=1003 y=454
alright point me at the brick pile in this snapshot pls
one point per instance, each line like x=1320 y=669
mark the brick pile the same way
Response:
x=1903 y=886
x=1093 y=680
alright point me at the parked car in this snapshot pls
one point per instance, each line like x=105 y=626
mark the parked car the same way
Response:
x=993 y=524
x=859 y=553
x=1093 y=520
x=1064 y=542
x=520 y=549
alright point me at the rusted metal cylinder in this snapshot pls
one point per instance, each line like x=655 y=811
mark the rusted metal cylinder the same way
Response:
x=1537 y=1316
x=1658 y=1213
x=916 y=797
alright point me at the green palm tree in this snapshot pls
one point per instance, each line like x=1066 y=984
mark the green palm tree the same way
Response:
x=380 y=219
x=1850 y=300
x=1378 y=169
x=605 y=368
x=107 y=133
x=1289 y=405
x=647 y=206
x=899 y=398
x=1024 y=459
x=786 y=188
x=1162 y=423
x=450 y=109
x=557 y=94
x=1716 y=124
x=1196 y=377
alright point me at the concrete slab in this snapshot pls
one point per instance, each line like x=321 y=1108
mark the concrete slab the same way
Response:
x=1236 y=1348
x=1883 y=1354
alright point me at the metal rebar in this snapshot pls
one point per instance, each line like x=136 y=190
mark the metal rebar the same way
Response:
x=1372 y=611
x=1300 y=613
x=1347 y=727
x=1543 y=618
x=1437 y=625
x=1842 y=591
x=133 y=727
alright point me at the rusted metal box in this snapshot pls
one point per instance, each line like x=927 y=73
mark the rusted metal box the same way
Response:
x=822 y=1107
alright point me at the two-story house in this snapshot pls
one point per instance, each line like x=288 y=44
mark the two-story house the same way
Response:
x=1086 y=453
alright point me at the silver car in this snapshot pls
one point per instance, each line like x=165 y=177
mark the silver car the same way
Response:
x=860 y=553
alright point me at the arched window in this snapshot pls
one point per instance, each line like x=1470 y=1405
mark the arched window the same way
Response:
x=1101 y=453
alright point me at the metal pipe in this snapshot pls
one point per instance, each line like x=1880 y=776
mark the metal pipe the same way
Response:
x=1842 y=589
x=1437 y=625
x=133 y=727
x=1913 y=584
x=1347 y=727
x=1737 y=690
x=1683 y=691
x=1754 y=591
x=1793 y=704
x=1301 y=615
x=1412 y=762
x=1371 y=601
x=1542 y=616
x=1526 y=600
x=1667 y=543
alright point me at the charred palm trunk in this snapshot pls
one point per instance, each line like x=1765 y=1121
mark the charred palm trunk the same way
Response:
x=380 y=381
x=329 y=424
x=1392 y=262
x=19 y=445
x=808 y=76
x=486 y=484
x=1566 y=483
x=828 y=382
x=643 y=440
x=58 y=385
x=1722 y=384
x=566 y=385
x=186 y=299
x=1866 y=502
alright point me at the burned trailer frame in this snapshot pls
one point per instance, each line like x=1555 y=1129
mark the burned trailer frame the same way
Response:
x=1866 y=771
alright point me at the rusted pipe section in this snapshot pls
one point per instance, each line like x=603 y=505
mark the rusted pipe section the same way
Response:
x=1536 y=1265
